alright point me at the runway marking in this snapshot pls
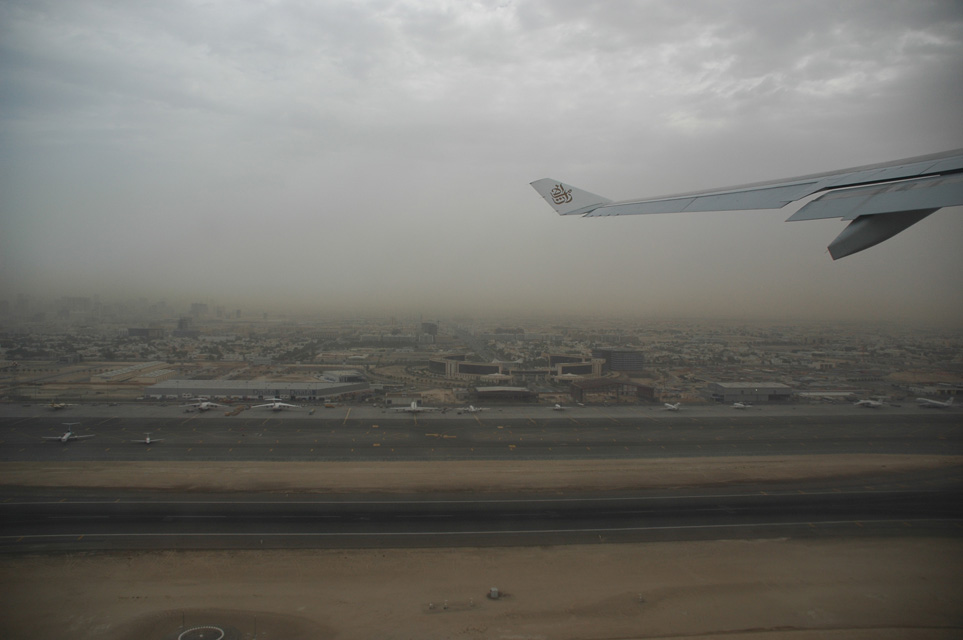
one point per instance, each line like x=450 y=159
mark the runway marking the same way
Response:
x=346 y=416
x=362 y=534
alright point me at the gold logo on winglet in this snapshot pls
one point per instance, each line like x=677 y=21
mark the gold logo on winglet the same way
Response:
x=560 y=195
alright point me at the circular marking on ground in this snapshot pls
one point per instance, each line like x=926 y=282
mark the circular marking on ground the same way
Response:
x=203 y=633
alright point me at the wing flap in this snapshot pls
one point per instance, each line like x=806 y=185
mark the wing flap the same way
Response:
x=773 y=197
x=894 y=197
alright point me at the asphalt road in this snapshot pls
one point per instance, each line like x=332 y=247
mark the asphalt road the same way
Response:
x=921 y=503
x=512 y=433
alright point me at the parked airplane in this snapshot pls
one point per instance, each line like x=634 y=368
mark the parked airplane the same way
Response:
x=414 y=408
x=558 y=407
x=69 y=434
x=277 y=405
x=869 y=404
x=148 y=439
x=473 y=409
x=673 y=407
x=57 y=406
x=934 y=404
x=741 y=405
x=204 y=405
x=878 y=200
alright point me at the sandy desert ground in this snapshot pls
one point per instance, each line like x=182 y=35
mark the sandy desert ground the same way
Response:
x=786 y=589
x=803 y=589
x=553 y=476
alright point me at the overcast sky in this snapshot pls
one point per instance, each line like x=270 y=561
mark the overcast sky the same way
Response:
x=359 y=156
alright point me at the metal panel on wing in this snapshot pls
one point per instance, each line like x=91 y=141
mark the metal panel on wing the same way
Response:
x=921 y=193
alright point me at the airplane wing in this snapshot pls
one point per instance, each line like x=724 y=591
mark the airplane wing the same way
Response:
x=878 y=200
x=926 y=402
x=82 y=437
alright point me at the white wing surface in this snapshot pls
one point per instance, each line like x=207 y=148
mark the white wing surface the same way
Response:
x=879 y=200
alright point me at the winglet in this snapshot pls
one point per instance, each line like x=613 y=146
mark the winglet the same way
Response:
x=568 y=200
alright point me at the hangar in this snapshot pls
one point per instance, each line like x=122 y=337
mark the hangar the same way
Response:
x=253 y=389
x=749 y=391
x=505 y=394
x=617 y=389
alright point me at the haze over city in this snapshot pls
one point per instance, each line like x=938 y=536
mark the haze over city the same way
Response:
x=376 y=156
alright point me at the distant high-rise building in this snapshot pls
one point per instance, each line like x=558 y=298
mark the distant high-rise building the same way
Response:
x=150 y=333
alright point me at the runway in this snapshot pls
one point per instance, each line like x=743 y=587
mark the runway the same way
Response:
x=63 y=519
x=916 y=504
x=537 y=433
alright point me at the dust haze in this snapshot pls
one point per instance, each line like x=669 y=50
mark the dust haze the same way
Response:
x=375 y=157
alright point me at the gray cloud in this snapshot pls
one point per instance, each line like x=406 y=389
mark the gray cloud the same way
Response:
x=364 y=154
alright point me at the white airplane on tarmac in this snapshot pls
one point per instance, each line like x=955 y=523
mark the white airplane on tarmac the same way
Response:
x=934 y=404
x=741 y=405
x=877 y=200
x=869 y=404
x=69 y=434
x=57 y=406
x=473 y=409
x=277 y=405
x=204 y=405
x=673 y=407
x=414 y=408
x=558 y=407
x=148 y=439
